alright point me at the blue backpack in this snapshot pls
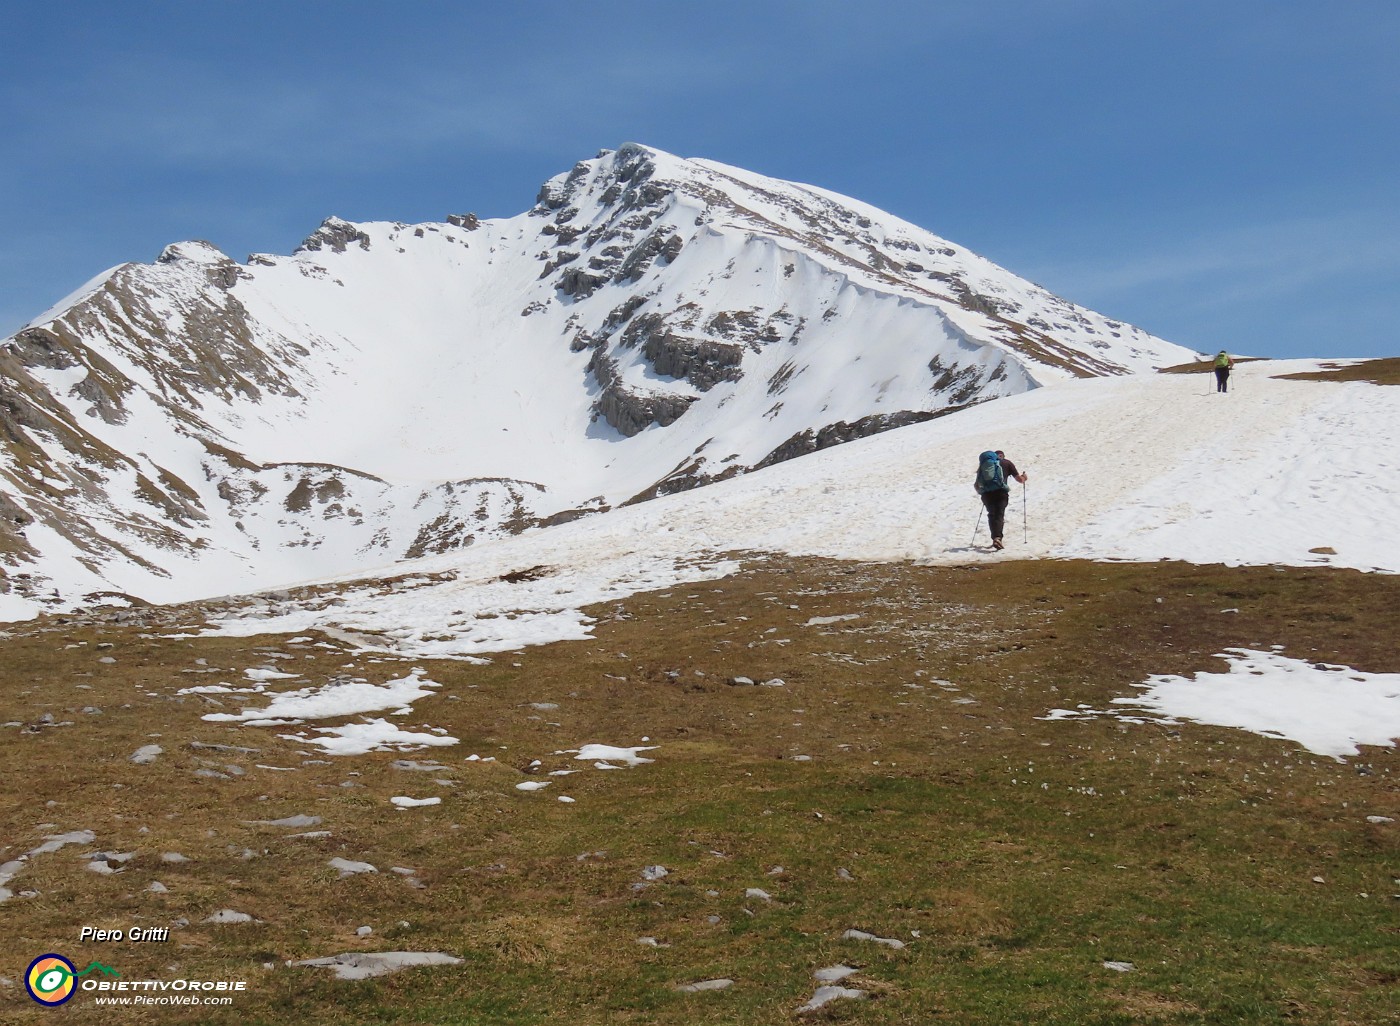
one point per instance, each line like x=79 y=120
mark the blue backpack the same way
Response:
x=990 y=475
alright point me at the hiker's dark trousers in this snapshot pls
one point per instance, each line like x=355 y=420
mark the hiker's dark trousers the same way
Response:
x=996 y=509
x=1222 y=379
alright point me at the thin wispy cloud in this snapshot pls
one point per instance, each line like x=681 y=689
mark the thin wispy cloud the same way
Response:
x=1255 y=261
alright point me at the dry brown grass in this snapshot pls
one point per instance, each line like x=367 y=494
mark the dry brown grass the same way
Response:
x=1206 y=365
x=1378 y=372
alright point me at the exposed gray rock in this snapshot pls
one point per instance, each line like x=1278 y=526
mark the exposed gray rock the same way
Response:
x=631 y=412
x=704 y=985
x=204 y=746
x=361 y=965
x=580 y=284
x=40 y=347
x=348 y=867
x=808 y=441
x=413 y=765
x=861 y=935
x=701 y=362
x=663 y=244
x=626 y=410
x=334 y=234
x=622 y=313
x=12 y=514
x=299 y=820
x=227 y=916
x=825 y=995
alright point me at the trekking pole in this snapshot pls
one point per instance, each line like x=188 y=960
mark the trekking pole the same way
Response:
x=976 y=526
x=1025 y=530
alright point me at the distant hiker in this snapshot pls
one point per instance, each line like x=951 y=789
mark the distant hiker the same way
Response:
x=1223 y=363
x=993 y=482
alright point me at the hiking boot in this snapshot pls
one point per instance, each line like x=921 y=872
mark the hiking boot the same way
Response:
x=996 y=544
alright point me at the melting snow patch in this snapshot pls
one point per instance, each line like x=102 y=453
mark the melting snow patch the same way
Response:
x=404 y=802
x=373 y=736
x=338 y=698
x=263 y=673
x=360 y=965
x=612 y=754
x=1328 y=709
x=108 y=862
x=532 y=785
x=822 y=621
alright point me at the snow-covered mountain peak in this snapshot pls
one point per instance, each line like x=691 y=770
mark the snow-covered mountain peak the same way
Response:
x=335 y=234
x=195 y=251
x=652 y=324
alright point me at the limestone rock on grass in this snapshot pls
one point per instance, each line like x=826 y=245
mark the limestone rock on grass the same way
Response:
x=361 y=965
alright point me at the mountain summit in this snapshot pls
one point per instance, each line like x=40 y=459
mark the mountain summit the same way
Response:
x=652 y=324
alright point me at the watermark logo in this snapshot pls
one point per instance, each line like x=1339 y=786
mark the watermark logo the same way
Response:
x=52 y=979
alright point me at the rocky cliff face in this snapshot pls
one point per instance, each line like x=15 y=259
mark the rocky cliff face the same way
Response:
x=197 y=425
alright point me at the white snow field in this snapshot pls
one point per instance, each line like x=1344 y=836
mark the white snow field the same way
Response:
x=1143 y=468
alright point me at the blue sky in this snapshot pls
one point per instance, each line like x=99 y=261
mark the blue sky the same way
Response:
x=1225 y=174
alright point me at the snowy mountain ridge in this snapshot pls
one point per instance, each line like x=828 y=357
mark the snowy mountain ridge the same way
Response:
x=197 y=425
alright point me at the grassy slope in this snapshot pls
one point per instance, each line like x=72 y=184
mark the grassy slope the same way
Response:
x=1024 y=853
x=1379 y=372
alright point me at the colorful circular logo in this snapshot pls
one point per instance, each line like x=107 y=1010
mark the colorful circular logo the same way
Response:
x=50 y=979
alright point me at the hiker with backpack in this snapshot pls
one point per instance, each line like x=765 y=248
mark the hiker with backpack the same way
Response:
x=993 y=482
x=1223 y=363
